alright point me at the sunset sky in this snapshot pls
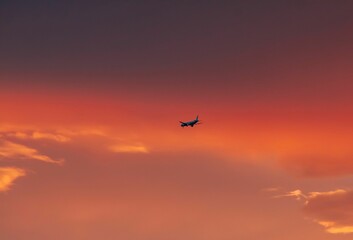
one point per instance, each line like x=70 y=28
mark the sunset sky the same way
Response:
x=91 y=94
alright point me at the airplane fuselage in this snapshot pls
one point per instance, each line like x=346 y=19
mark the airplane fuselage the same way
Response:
x=190 y=123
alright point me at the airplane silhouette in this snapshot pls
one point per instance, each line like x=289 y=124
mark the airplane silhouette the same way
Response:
x=190 y=123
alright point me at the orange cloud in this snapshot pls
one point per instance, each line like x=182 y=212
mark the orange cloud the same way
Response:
x=332 y=209
x=129 y=149
x=40 y=135
x=30 y=132
x=8 y=175
x=14 y=150
x=94 y=137
x=297 y=194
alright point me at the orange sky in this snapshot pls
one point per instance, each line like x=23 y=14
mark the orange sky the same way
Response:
x=91 y=95
x=82 y=165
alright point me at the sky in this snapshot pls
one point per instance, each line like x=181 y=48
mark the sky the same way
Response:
x=92 y=92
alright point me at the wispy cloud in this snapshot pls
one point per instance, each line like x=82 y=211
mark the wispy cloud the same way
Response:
x=36 y=135
x=50 y=136
x=332 y=209
x=8 y=175
x=129 y=149
x=11 y=135
x=12 y=150
x=297 y=194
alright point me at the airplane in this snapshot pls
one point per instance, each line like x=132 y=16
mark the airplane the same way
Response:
x=190 y=123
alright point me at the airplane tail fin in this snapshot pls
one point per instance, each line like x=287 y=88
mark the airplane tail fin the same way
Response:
x=197 y=117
